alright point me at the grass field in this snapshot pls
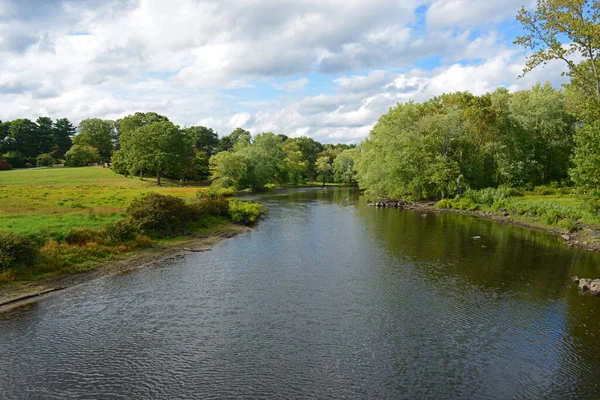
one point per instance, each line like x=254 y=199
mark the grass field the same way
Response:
x=54 y=200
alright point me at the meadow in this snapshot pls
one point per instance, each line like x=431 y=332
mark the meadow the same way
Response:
x=52 y=201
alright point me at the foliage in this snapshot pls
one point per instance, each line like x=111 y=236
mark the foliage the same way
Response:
x=227 y=169
x=564 y=30
x=97 y=133
x=159 y=147
x=80 y=156
x=45 y=160
x=344 y=170
x=16 y=251
x=4 y=166
x=158 y=215
x=244 y=212
x=324 y=168
x=121 y=231
x=421 y=150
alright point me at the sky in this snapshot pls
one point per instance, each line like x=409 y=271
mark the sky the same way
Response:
x=327 y=69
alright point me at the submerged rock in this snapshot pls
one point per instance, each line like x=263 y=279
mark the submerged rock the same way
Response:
x=476 y=237
x=588 y=286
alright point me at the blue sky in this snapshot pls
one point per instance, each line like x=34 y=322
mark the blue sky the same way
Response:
x=322 y=68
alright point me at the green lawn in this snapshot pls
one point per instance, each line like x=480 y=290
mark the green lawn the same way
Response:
x=54 y=200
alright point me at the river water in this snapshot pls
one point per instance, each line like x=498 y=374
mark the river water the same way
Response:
x=325 y=298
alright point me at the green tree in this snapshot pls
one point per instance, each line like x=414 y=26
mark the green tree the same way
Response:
x=63 y=132
x=23 y=137
x=227 y=169
x=80 y=156
x=229 y=141
x=564 y=30
x=324 y=168
x=344 y=166
x=159 y=147
x=98 y=133
x=45 y=134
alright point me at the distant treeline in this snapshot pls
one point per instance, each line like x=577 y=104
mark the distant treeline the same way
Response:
x=148 y=144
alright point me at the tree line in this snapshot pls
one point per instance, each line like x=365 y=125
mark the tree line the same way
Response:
x=149 y=144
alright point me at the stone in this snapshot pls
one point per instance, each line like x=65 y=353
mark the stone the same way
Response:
x=575 y=279
x=584 y=285
x=595 y=287
x=476 y=237
x=566 y=237
x=424 y=215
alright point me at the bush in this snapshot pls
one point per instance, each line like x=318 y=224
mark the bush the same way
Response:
x=444 y=203
x=15 y=159
x=208 y=206
x=4 y=166
x=158 y=215
x=569 y=225
x=244 y=212
x=83 y=236
x=45 y=160
x=16 y=251
x=122 y=231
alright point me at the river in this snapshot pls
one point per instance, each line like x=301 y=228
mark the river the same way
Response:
x=325 y=298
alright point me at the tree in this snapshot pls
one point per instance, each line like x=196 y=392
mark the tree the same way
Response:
x=80 y=156
x=564 y=30
x=229 y=141
x=159 y=147
x=310 y=150
x=324 y=168
x=343 y=166
x=203 y=138
x=45 y=134
x=98 y=133
x=586 y=172
x=227 y=169
x=131 y=122
x=23 y=137
x=63 y=132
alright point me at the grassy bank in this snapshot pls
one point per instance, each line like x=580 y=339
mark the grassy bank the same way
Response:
x=556 y=210
x=70 y=220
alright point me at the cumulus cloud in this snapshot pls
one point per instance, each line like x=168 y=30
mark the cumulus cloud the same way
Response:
x=324 y=68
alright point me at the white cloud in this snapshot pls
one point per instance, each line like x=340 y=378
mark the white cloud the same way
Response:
x=208 y=62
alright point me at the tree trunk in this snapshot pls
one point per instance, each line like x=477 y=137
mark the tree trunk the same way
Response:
x=141 y=174
x=158 y=179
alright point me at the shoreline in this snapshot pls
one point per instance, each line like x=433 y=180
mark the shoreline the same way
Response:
x=585 y=239
x=17 y=294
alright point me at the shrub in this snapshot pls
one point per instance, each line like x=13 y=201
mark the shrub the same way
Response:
x=82 y=236
x=244 y=212
x=569 y=225
x=4 y=166
x=444 y=203
x=16 y=251
x=208 y=206
x=45 y=160
x=122 y=231
x=15 y=159
x=158 y=215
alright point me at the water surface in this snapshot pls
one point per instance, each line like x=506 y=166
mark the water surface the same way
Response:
x=325 y=298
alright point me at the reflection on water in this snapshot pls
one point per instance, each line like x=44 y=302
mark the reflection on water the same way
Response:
x=326 y=297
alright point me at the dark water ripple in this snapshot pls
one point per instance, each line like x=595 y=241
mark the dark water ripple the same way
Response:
x=326 y=298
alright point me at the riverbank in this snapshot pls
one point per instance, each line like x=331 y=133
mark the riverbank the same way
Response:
x=585 y=237
x=16 y=294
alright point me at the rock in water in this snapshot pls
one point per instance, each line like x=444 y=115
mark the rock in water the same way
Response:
x=476 y=237
x=575 y=279
x=595 y=287
x=584 y=285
